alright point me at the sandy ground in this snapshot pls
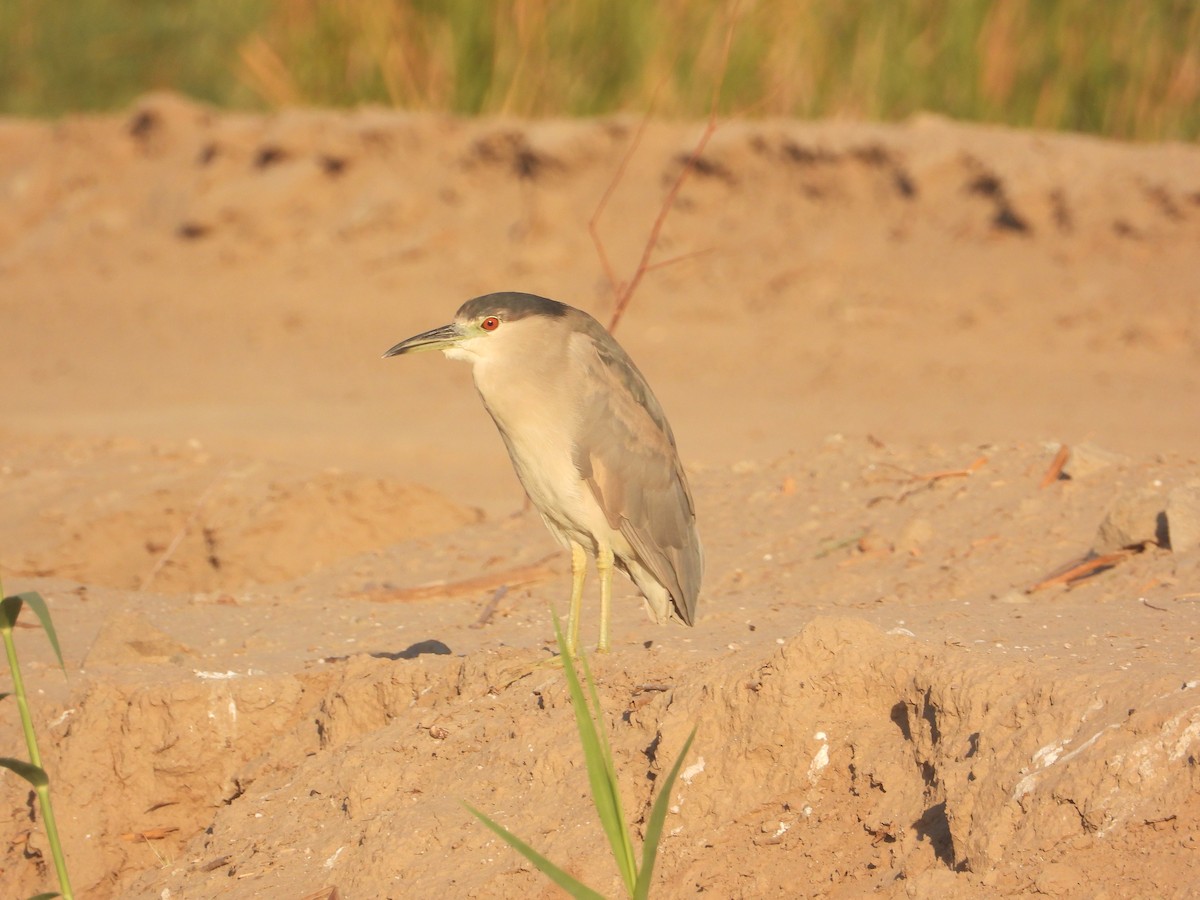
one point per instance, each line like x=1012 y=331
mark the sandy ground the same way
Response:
x=296 y=590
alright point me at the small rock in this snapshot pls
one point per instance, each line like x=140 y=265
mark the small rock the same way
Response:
x=1135 y=518
x=1087 y=459
x=1183 y=517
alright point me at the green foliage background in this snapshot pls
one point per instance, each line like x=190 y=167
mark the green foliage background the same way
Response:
x=1123 y=68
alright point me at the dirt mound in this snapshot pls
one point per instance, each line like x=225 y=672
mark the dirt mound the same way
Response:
x=935 y=387
x=128 y=516
x=860 y=727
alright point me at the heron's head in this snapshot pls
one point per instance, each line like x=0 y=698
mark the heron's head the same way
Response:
x=487 y=327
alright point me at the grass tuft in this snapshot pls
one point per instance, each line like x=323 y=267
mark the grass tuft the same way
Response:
x=1127 y=70
x=32 y=770
x=606 y=795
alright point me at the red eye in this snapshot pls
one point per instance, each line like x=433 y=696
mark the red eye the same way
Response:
x=491 y=323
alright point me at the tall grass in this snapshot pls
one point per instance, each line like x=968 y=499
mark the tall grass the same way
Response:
x=1125 y=68
x=606 y=795
x=31 y=770
x=62 y=55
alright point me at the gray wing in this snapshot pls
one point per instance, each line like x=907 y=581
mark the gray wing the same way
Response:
x=626 y=454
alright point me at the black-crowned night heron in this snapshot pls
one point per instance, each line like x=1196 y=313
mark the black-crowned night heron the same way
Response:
x=589 y=442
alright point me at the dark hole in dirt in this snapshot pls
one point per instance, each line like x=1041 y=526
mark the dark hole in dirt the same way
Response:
x=973 y=740
x=806 y=156
x=268 y=156
x=706 y=168
x=191 y=231
x=144 y=124
x=900 y=717
x=904 y=184
x=333 y=166
x=527 y=164
x=872 y=155
x=986 y=184
x=1006 y=219
x=934 y=827
x=929 y=713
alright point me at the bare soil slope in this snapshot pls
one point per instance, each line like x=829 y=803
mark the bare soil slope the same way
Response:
x=299 y=600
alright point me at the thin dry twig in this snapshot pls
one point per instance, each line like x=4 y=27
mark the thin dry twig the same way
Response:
x=974 y=467
x=158 y=833
x=624 y=290
x=668 y=204
x=1077 y=570
x=910 y=475
x=1056 y=467
x=489 y=611
x=682 y=257
x=493 y=581
x=929 y=479
x=593 y=222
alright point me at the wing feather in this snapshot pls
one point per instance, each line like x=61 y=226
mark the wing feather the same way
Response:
x=626 y=454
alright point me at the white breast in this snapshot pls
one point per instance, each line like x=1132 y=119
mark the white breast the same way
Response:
x=539 y=435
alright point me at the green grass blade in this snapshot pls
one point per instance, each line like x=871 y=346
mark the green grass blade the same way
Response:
x=9 y=610
x=567 y=882
x=35 y=775
x=654 y=825
x=594 y=707
x=35 y=602
x=626 y=839
x=605 y=791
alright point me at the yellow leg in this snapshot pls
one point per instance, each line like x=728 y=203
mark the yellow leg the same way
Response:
x=578 y=571
x=604 y=569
